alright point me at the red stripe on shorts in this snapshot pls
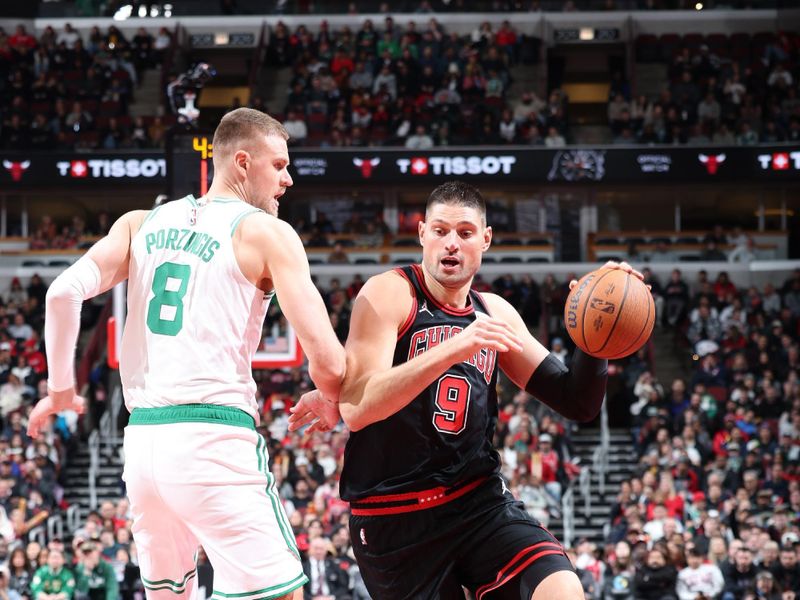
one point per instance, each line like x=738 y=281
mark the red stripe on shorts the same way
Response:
x=505 y=574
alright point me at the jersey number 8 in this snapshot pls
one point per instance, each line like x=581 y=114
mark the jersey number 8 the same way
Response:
x=166 y=276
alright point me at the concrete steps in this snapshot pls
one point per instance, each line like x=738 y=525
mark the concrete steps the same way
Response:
x=147 y=97
x=621 y=463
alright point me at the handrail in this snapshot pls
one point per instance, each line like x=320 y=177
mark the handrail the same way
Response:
x=55 y=527
x=568 y=516
x=38 y=535
x=73 y=518
x=585 y=485
x=94 y=467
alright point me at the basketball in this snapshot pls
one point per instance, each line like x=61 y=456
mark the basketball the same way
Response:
x=610 y=313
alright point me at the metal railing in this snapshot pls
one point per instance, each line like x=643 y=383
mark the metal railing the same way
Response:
x=94 y=467
x=39 y=535
x=55 y=527
x=73 y=518
x=568 y=516
x=600 y=454
x=108 y=426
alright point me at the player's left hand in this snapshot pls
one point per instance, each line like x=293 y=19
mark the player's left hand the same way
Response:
x=314 y=408
x=53 y=403
x=623 y=266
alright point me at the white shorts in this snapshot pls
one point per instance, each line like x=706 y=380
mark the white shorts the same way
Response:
x=198 y=475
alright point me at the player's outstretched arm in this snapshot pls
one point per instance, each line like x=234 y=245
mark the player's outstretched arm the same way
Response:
x=301 y=302
x=102 y=267
x=373 y=389
x=576 y=393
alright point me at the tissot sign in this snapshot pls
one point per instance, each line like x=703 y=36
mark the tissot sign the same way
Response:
x=564 y=166
x=573 y=166
x=72 y=169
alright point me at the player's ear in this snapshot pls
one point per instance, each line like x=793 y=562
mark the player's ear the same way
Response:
x=421 y=230
x=487 y=238
x=242 y=161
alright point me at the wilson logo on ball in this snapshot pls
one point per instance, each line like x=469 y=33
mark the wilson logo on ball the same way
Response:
x=574 y=300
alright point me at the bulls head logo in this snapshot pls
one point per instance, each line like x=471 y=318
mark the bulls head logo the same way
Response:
x=712 y=162
x=366 y=166
x=16 y=168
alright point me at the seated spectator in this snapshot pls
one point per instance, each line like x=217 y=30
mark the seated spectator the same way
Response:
x=420 y=140
x=699 y=578
x=325 y=578
x=740 y=575
x=338 y=256
x=554 y=139
x=746 y=137
x=53 y=580
x=656 y=579
x=94 y=577
x=296 y=128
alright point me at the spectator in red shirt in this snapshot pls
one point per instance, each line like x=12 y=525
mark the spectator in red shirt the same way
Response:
x=22 y=41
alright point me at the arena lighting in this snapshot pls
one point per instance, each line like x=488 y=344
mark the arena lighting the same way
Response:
x=698 y=6
x=124 y=12
x=221 y=39
x=586 y=34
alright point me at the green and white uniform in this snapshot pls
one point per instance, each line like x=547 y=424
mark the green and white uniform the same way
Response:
x=195 y=468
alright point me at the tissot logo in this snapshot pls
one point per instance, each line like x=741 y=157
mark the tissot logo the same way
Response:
x=78 y=168
x=456 y=165
x=780 y=161
x=117 y=168
x=366 y=165
x=16 y=168
x=712 y=162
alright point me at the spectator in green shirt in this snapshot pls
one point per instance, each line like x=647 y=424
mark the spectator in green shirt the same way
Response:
x=96 y=577
x=53 y=581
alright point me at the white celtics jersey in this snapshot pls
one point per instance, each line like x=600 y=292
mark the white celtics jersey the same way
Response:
x=193 y=320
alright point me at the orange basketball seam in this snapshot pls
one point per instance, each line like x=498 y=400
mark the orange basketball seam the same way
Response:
x=644 y=327
x=619 y=312
x=585 y=305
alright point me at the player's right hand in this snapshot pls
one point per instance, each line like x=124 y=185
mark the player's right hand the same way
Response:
x=487 y=332
x=52 y=404
x=314 y=408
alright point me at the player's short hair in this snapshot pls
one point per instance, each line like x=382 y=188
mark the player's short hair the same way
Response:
x=460 y=194
x=243 y=124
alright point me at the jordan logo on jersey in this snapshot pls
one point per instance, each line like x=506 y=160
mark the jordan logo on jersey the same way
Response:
x=425 y=308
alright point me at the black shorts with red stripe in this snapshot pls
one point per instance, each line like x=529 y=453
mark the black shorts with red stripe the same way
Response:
x=431 y=547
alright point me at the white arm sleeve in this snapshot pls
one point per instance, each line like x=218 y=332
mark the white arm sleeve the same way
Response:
x=62 y=322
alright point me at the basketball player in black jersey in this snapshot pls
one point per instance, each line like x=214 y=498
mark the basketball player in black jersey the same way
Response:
x=430 y=513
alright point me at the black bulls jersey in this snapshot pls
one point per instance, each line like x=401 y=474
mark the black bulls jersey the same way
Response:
x=443 y=436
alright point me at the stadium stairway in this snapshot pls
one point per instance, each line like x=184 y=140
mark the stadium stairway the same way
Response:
x=108 y=481
x=148 y=95
x=621 y=463
x=273 y=87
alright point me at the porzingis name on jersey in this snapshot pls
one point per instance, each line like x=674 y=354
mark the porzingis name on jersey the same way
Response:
x=425 y=339
x=200 y=244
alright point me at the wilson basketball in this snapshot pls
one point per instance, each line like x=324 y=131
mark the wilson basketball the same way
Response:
x=610 y=313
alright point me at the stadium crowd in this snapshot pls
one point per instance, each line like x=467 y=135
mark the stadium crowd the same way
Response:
x=64 y=91
x=738 y=91
x=411 y=86
x=712 y=510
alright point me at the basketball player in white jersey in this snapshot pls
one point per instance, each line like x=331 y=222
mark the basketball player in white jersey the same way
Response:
x=201 y=273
